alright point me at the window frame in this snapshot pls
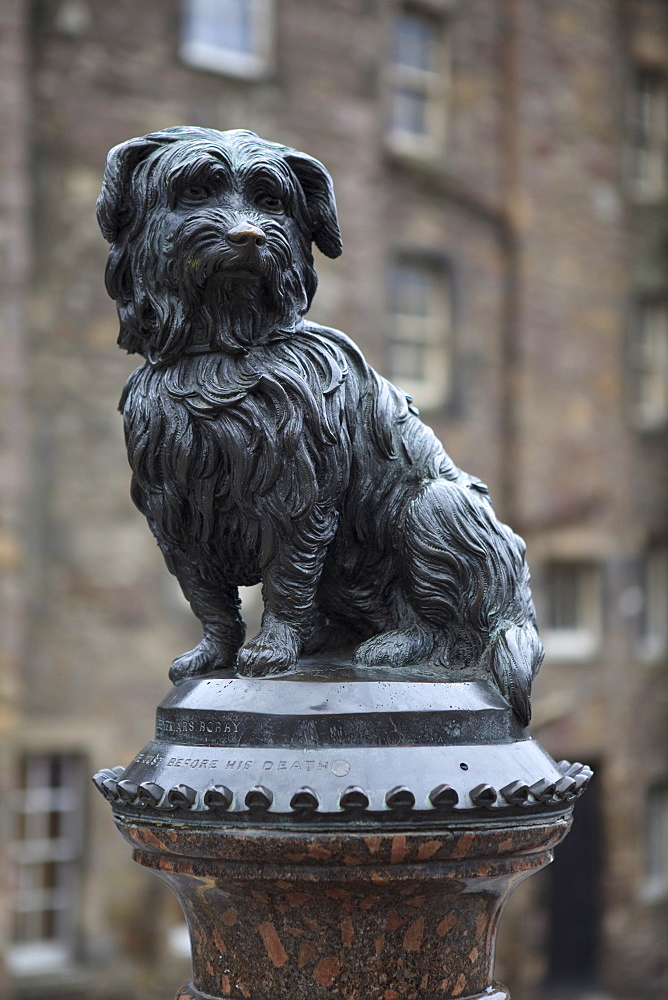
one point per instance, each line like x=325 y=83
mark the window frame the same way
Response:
x=648 y=142
x=253 y=65
x=583 y=640
x=434 y=83
x=435 y=390
x=648 y=414
x=655 y=889
x=34 y=802
x=653 y=619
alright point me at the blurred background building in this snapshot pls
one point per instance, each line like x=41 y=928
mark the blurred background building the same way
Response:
x=501 y=168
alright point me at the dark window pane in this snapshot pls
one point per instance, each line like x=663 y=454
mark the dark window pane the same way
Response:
x=48 y=925
x=54 y=825
x=50 y=875
x=657 y=831
x=413 y=41
x=55 y=770
x=408 y=112
x=564 y=596
x=226 y=24
x=410 y=286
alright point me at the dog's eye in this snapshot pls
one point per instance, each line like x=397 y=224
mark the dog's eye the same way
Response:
x=195 y=193
x=269 y=202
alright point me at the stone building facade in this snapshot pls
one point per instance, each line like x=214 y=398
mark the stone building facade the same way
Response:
x=501 y=169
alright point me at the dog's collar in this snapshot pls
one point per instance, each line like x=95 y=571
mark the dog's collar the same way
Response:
x=210 y=348
x=204 y=349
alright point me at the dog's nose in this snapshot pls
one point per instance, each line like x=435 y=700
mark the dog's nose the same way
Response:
x=246 y=235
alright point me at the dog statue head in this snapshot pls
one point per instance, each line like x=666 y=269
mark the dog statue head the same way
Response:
x=211 y=236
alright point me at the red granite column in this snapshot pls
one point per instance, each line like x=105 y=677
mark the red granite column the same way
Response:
x=390 y=915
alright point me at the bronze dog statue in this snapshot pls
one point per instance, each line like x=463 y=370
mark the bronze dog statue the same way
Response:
x=264 y=448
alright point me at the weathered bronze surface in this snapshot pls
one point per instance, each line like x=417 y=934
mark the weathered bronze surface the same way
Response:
x=264 y=448
x=342 y=804
x=330 y=745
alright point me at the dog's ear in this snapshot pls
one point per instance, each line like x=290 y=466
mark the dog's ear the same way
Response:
x=320 y=202
x=115 y=205
x=120 y=210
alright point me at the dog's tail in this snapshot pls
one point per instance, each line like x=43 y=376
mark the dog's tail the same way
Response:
x=515 y=654
x=466 y=576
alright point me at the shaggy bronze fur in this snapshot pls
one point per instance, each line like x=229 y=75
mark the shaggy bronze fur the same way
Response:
x=264 y=448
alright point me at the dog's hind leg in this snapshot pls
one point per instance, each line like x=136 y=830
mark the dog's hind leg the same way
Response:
x=217 y=606
x=466 y=576
x=398 y=647
x=413 y=642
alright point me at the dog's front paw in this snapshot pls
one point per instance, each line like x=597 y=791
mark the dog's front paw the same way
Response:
x=203 y=659
x=274 y=649
x=396 y=649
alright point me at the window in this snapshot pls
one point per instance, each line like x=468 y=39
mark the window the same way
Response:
x=46 y=851
x=418 y=81
x=420 y=335
x=649 y=365
x=657 y=843
x=654 y=607
x=228 y=36
x=573 y=609
x=649 y=135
